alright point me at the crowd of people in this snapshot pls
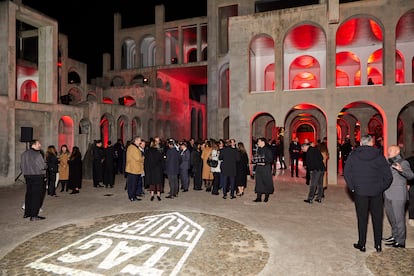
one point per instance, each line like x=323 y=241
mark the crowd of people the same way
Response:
x=223 y=166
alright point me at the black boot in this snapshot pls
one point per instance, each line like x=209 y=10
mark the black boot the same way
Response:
x=259 y=198
x=266 y=199
x=63 y=186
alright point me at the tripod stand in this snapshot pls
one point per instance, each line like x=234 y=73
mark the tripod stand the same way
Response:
x=27 y=147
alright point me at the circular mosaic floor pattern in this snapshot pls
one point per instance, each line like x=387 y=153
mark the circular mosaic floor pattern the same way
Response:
x=153 y=243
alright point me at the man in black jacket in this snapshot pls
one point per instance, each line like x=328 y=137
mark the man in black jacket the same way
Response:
x=316 y=167
x=368 y=175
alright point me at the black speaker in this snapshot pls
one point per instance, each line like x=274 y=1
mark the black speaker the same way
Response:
x=26 y=134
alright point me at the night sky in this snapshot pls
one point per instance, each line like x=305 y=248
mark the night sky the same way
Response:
x=89 y=23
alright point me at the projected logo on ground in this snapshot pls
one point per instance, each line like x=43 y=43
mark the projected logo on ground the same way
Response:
x=152 y=245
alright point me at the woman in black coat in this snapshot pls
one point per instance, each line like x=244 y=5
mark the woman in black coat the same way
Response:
x=154 y=170
x=242 y=170
x=264 y=181
x=75 y=170
x=197 y=166
x=52 y=169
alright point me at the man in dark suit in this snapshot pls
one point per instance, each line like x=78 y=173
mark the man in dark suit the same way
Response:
x=230 y=156
x=368 y=175
x=294 y=150
x=316 y=167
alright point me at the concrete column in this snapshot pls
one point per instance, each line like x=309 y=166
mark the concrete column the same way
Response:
x=117 y=46
x=47 y=64
x=332 y=143
x=199 y=49
x=180 y=45
x=159 y=34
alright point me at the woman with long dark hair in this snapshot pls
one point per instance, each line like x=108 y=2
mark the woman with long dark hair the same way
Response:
x=52 y=162
x=242 y=169
x=75 y=170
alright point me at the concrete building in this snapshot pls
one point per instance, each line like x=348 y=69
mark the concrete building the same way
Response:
x=247 y=69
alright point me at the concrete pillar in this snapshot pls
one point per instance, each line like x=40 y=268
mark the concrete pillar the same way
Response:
x=199 y=49
x=47 y=64
x=159 y=34
x=117 y=46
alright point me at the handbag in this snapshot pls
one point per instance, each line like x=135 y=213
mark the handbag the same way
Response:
x=212 y=163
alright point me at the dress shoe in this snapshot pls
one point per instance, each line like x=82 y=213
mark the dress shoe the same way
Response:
x=26 y=216
x=308 y=201
x=378 y=248
x=360 y=247
x=185 y=190
x=398 y=245
x=224 y=197
x=159 y=198
x=319 y=200
x=137 y=198
x=152 y=198
x=36 y=218
x=169 y=197
x=133 y=199
x=257 y=200
x=232 y=197
x=74 y=192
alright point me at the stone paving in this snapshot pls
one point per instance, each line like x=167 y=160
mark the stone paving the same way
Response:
x=82 y=235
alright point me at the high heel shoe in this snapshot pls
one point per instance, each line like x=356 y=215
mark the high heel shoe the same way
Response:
x=360 y=247
x=159 y=198
x=152 y=198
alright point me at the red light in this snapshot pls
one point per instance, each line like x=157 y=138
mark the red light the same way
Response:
x=59 y=64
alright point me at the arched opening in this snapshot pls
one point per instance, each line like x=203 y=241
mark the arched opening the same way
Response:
x=65 y=132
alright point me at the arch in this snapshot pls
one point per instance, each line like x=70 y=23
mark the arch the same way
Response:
x=128 y=54
x=224 y=93
x=160 y=83
x=122 y=128
x=405 y=129
x=167 y=107
x=261 y=55
x=28 y=91
x=65 y=132
x=405 y=46
x=136 y=127
x=84 y=126
x=106 y=126
x=348 y=66
x=148 y=50
x=117 y=81
x=91 y=97
x=303 y=72
x=75 y=95
x=107 y=100
x=192 y=55
x=139 y=80
x=362 y=36
x=304 y=48
x=74 y=78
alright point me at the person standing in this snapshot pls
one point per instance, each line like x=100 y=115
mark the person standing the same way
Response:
x=264 y=181
x=109 y=166
x=323 y=147
x=75 y=170
x=33 y=167
x=242 y=169
x=294 y=151
x=396 y=196
x=64 y=167
x=229 y=156
x=367 y=175
x=153 y=167
x=281 y=152
x=316 y=167
x=184 y=166
x=134 y=167
x=197 y=166
x=215 y=153
x=172 y=168
x=98 y=160
x=346 y=149
x=119 y=150
x=52 y=169
x=207 y=175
